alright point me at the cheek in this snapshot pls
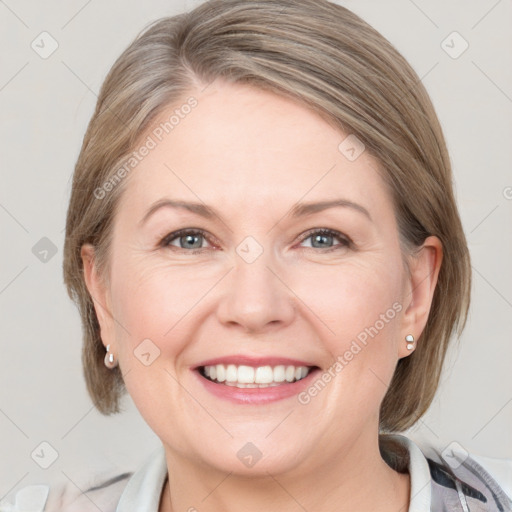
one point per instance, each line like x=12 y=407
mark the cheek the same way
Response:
x=352 y=297
x=152 y=309
x=361 y=305
x=154 y=298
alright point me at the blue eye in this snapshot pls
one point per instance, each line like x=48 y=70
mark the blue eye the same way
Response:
x=187 y=239
x=323 y=238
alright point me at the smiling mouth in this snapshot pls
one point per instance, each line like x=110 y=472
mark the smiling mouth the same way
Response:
x=242 y=376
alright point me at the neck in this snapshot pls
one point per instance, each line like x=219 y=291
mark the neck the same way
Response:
x=358 y=480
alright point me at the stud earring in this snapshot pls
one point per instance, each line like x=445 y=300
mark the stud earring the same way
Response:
x=110 y=361
x=410 y=341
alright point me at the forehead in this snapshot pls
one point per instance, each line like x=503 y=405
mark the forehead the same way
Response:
x=247 y=147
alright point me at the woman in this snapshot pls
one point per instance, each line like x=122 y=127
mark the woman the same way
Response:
x=265 y=249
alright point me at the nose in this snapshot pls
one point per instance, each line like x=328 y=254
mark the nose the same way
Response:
x=256 y=297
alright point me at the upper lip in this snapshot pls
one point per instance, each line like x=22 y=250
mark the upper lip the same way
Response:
x=239 y=360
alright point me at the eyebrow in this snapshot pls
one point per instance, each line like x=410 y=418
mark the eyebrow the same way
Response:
x=197 y=208
x=299 y=210
x=302 y=209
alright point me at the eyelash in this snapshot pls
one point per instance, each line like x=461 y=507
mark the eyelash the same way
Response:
x=345 y=241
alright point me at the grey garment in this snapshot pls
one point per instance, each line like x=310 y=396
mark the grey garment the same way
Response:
x=458 y=482
x=461 y=484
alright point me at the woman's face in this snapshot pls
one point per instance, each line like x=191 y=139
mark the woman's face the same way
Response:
x=282 y=261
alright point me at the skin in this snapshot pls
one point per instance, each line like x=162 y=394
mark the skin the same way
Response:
x=252 y=155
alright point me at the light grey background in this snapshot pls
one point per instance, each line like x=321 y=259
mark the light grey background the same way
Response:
x=45 y=105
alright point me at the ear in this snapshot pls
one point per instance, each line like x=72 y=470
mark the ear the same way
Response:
x=424 y=268
x=100 y=296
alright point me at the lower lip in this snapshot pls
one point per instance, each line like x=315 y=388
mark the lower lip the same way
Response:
x=257 y=395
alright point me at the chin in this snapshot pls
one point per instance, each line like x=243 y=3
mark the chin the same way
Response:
x=251 y=456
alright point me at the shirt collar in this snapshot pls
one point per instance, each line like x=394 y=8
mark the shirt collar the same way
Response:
x=143 y=490
x=421 y=482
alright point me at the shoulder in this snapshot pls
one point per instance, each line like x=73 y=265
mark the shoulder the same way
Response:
x=101 y=492
x=105 y=491
x=460 y=480
x=470 y=480
x=499 y=469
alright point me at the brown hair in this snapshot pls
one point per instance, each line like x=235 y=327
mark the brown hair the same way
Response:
x=326 y=57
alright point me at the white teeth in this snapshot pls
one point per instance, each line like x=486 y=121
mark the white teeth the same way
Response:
x=249 y=377
x=231 y=373
x=264 y=375
x=279 y=375
x=245 y=375
x=221 y=372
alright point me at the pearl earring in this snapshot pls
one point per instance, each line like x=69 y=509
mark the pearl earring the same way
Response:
x=110 y=361
x=410 y=341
